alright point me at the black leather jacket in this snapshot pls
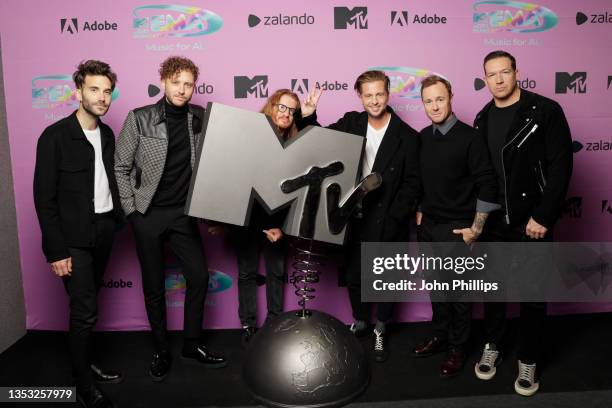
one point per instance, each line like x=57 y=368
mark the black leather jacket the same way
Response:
x=536 y=160
x=141 y=152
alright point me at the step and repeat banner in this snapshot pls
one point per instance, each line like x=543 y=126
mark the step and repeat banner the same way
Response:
x=245 y=51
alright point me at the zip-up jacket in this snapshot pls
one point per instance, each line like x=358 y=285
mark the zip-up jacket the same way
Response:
x=536 y=160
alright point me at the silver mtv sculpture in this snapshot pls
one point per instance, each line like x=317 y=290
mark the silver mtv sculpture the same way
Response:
x=241 y=159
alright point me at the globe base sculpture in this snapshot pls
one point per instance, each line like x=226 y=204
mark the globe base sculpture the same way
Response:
x=305 y=360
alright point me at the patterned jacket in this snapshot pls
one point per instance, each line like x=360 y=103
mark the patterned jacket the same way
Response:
x=140 y=155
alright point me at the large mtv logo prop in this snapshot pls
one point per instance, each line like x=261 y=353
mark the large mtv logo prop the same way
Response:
x=241 y=159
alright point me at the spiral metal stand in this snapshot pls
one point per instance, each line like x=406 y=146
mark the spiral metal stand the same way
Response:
x=305 y=273
x=305 y=358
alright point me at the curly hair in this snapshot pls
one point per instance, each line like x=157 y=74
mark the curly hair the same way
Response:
x=175 y=64
x=93 y=67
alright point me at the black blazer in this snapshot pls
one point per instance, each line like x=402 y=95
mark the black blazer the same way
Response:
x=64 y=186
x=386 y=212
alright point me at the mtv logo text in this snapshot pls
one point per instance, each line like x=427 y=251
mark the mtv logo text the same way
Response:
x=236 y=168
x=256 y=86
x=575 y=82
x=356 y=18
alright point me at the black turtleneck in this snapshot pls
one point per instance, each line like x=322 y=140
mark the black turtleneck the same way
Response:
x=174 y=183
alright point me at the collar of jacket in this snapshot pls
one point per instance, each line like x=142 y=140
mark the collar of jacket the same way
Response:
x=159 y=112
x=76 y=130
x=527 y=102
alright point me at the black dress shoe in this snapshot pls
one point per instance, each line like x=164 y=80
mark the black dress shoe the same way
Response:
x=430 y=347
x=106 y=377
x=160 y=365
x=453 y=364
x=247 y=334
x=92 y=397
x=205 y=357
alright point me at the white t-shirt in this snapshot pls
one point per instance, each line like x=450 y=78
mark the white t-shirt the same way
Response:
x=103 y=201
x=373 y=140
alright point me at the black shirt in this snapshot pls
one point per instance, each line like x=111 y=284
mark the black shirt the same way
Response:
x=456 y=173
x=174 y=183
x=500 y=120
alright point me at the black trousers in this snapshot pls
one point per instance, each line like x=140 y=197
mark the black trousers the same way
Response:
x=88 y=266
x=158 y=226
x=361 y=310
x=249 y=244
x=451 y=320
x=532 y=314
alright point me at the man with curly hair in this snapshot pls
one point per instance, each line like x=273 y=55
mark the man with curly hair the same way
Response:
x=153 y=163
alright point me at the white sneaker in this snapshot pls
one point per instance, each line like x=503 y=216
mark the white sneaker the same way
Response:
x=526 y=383
x=486 y=368
x=380 y=353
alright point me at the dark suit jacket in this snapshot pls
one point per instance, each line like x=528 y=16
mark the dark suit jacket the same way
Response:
x=64 y=186
x=386 y=211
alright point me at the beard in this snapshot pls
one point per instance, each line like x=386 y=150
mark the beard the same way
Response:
x=90 y=108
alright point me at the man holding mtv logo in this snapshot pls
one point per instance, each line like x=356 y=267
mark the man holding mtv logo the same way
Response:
x=391 y=149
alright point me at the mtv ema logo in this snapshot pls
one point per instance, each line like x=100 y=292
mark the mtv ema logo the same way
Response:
x=356 y=18
x=173 y=20
x=256 y=86
x=513 y=16
x=176 y=285
x=406 y=81
x=573 y=207
x=56 y=91
x=575 y=82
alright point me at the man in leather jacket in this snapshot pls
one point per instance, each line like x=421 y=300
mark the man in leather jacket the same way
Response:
x=153 y=162
x=531 y=150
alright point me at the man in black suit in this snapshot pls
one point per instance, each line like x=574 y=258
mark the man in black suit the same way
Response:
x=77 y=203
x=391 y=149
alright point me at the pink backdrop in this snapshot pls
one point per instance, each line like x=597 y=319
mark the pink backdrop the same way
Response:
x=41 y=45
